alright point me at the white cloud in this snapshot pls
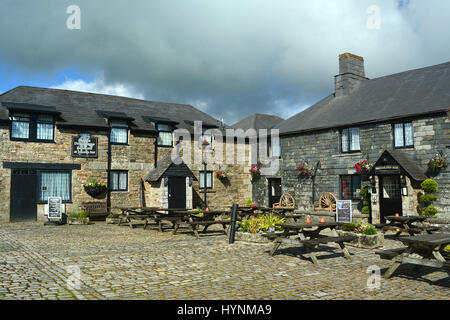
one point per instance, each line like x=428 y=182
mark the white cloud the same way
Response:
x=98 y=85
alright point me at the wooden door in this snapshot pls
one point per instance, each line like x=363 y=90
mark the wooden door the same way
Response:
x=23 y=205
x=390 y=196
x=177 y=192
x=274 y=191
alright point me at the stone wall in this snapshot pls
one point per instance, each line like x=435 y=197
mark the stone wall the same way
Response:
x=430 y=135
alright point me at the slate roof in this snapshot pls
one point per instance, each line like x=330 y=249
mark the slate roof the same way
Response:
x=163 y=165
x=258 y=121
x=406 y=162
x=82 y=109
x=401 y=95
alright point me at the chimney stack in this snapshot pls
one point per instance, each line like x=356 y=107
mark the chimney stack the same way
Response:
x=351 y=74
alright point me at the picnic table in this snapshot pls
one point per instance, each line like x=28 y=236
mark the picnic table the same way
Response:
x=405 y=224
x=128 y=214
x=194 y=219
x=255 y=211
x=430 y=247
x=309 y=239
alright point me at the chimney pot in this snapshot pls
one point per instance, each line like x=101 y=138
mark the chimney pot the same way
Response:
x=351 y=74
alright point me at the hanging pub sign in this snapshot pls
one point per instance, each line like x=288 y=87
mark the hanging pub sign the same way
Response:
x=388 y=169
x=343 y=211
x=84 y=146
x=54 y=208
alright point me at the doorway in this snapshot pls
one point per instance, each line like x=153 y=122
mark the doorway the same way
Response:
x=23 y=195
x=390 y=196
x=177 y=192
x=274 y=191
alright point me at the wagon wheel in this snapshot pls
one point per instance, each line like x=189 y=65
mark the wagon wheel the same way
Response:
x=287 y=201
x=328 y=201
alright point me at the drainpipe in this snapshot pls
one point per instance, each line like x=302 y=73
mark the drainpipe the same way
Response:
x=108 y=194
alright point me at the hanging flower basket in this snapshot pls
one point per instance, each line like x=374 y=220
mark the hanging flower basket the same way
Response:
x=362 y=166
x=304 y=170
x=221 y=174
x=255 y=171
x=95 y=188
x=437 y=163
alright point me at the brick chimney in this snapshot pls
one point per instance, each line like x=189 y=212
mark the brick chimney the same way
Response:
x=351 y=74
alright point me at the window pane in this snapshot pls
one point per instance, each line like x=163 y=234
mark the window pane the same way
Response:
x=55 y=184
x=409 y=134
x=274 y=148
x=208 y=179
x=164 y=127
x=114 y=181
x=356 y=187
x=123 y=181
x=20 y=130
x=119 y=124
x=45 y=118
x=398 y=134
x=344 y=139
x=119 y=135
x=354 y=139
x=346 y=188
x=45 y=131
x=165 y=139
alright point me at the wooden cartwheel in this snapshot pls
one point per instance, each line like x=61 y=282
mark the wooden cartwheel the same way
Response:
x=327 y=202
x=286 y=201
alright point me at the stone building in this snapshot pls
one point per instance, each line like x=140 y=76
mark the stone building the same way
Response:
x=397 y=122
x=54 y=141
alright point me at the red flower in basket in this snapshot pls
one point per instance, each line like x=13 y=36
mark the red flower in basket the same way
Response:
x=362 y=166
x=254 y=171
x=304 y=170
x=221 y=174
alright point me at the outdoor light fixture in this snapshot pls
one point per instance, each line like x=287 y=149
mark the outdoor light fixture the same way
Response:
x=166 y=181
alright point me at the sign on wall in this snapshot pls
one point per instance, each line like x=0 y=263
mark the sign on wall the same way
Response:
x=54 y=208
x=343 y=210
x=84 y=146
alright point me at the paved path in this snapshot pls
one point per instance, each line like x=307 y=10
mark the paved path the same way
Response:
x=120 y=263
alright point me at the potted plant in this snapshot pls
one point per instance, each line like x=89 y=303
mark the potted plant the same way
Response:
x=367 y=235
x=304 y=170
x=78 y=218
x=429 y=186
x=255 y=172
x=95 y=188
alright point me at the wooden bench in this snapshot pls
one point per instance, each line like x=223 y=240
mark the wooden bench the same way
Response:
x=273 y=236
x=206 y=223
x=97 y=210
x=390 y=253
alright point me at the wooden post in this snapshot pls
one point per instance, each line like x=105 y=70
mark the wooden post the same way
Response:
x=233 y=222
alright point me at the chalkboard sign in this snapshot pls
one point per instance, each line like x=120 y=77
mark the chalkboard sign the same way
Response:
x=344 y=210
x=84 y=146
x=54 y=208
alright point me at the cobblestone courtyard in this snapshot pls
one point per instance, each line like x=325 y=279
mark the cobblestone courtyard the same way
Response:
x=120 y=263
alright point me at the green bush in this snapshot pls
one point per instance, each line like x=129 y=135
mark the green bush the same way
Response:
x=429 y=211
x=80 y=214
x=365 y=210
x=370 y=230
x=350 y=226
x=73 y=215
x=427 y=199
x=249 y=202
x=366 y=203
x=364 y=192
x=429 y=186
x=263 y=223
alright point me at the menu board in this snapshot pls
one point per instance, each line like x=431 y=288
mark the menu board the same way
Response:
x=54 y=208
x=343 y=210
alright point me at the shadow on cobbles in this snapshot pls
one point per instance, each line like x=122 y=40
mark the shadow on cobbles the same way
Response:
x=322 y=253
x=418 y=273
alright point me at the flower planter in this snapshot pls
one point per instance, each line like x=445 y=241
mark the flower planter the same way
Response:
x=253 y=237
x=78 y=221
x=363 y=240
x=95 y=191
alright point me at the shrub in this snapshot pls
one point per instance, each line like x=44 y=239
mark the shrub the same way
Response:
x=370 y=230
x=80 y=214
x=73 y=215
x=358 y=228
x=364 y=192
x=249 y=202
x=350 y=226
x=429 y=211
x=429 y=186
x=264 y=223
x=365 y=210
x=427 y=199
x=366 y=203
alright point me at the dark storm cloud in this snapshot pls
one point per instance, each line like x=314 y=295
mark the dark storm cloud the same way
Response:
x=228 y=58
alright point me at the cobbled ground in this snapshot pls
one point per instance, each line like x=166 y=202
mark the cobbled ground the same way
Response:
x=117 y=262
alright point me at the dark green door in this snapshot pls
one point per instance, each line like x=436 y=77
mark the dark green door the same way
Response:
x=23 y=195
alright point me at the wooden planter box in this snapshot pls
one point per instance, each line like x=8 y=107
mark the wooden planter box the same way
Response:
x=78 y=221
x=363 y=240
x=253 y=237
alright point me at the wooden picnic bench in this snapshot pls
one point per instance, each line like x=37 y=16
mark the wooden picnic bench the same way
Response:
x=308 y=240
x=430 y=247
x=405 y=224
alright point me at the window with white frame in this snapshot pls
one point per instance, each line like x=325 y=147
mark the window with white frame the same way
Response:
x=350 y=140
x=32 y=127
x=119 y=132
x=403 y=135
x=55 y=184
x=165 y=135
x=118 y=180
x=209 y=179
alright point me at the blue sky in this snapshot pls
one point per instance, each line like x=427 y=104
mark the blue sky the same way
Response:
x=228 y=58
